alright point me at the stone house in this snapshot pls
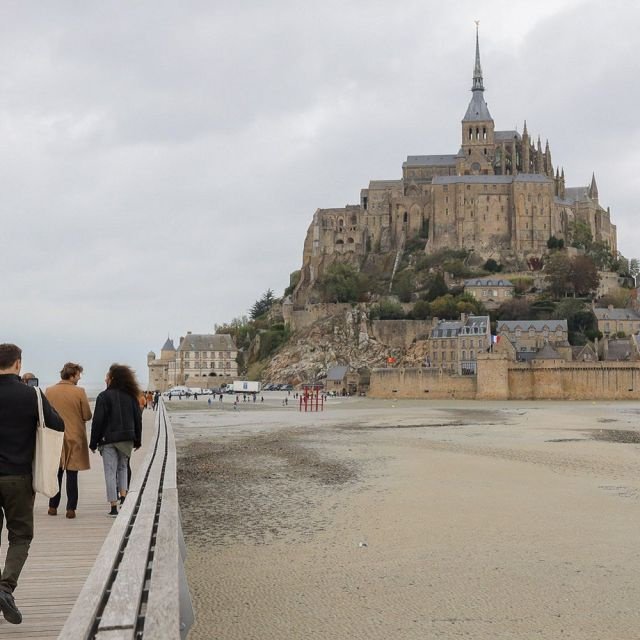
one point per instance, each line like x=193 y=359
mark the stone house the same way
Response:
x=341 y=380
x=453 y=345
x=198 y=359
x=612 y=321
x=491 y=292
x=528 y=337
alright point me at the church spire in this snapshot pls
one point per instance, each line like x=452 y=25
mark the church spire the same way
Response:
x=593 y=188
x=477 y=70
x=477 y=109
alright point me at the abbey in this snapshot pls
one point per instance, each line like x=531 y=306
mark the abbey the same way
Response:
x=499 y=196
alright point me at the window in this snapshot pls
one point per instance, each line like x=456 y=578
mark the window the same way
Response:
x=473 y=355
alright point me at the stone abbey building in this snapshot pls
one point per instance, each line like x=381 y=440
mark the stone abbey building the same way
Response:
x=499 y=196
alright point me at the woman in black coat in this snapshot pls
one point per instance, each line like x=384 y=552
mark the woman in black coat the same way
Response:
x=116 y=429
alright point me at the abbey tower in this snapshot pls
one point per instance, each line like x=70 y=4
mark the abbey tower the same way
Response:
x=498 y=196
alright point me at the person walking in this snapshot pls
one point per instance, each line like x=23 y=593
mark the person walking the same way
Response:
x=18 y=420
x=116 y=430
x=71 y=402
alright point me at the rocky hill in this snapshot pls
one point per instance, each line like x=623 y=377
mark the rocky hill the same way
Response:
x=345 y=338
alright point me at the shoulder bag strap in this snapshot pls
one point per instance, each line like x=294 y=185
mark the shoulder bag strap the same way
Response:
x=41 y=424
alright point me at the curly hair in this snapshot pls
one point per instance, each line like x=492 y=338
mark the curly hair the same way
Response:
x=69 y=370
x=123 y=378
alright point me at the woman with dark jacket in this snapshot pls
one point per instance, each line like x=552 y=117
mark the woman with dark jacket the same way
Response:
x=116 y=429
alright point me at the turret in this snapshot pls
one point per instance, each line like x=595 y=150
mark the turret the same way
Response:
x=539 y=158
x=593 y=188
x=562 y=184
x=526 y=151
x=548 y=166
x=477 y=125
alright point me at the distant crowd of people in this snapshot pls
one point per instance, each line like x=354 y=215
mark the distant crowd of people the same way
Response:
x=116 y=431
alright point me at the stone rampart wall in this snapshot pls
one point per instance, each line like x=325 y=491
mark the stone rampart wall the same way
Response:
x=499 y=379
x=420 y=383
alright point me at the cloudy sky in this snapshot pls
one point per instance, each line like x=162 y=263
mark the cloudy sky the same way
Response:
x=161 y=161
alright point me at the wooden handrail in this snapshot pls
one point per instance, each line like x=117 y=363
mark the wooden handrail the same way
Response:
x=137 y=587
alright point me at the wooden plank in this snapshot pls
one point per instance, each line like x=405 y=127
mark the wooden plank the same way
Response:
x=162 y=619
x=126 y=591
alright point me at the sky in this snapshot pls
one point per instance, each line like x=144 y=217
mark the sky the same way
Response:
x=160 y=161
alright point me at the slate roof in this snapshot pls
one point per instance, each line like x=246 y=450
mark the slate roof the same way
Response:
x=578 y=351
x=430 y=161
x=472 y=179
x=207 y=342
x=505 y=135
x=538 y=325
x=384 y=184
x=487 y=282
x=477 y=109
x=447 y=329
x=532 y=177
x=547 y=353
x=168 y=345
x=616 y=314
x=572 y=194
x=619 y=350
x=337 y=374
x=453 y=328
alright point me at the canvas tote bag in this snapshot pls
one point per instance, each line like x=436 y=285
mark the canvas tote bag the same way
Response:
x=46 y=459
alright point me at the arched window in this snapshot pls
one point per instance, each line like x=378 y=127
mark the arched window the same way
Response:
x=350 y=240
x=340 y=224
x=405 y=217
x=484 y=133
x=477 y=133
x=354 y=220
x=470 y=133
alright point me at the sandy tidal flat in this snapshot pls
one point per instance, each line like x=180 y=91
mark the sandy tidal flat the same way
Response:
x=408 y=519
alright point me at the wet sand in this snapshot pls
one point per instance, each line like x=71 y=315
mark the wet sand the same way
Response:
x=411 y=519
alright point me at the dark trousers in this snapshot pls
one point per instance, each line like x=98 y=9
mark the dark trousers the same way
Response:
x=72 y=490
x=16 y=512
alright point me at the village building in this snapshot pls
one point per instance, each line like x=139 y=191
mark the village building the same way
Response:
x=453 y=345
x=342 y=380
x=524 y=339
x=198 y=360
x=491 y=292
x=613 y=322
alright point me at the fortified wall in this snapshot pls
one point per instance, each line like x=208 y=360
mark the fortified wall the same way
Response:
x=501 y=379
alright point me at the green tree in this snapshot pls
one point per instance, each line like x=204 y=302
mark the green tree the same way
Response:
x=492 y=266
x=436 y=287
x=421 y=310
x=342 y=283
x=386 y=310
x=403 y=286
x=555 y=243
x=558 y=274
x=580 y=233
x=514 y=309
x=261 y=306
x=445 y=307
x=584 y=275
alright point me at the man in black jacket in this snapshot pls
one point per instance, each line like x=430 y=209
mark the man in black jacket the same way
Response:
x=18 y=420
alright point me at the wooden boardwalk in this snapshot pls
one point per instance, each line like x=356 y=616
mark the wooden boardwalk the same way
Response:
x=63 y=552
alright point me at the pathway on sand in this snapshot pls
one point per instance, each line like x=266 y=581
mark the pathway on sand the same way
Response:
x=63 y=552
